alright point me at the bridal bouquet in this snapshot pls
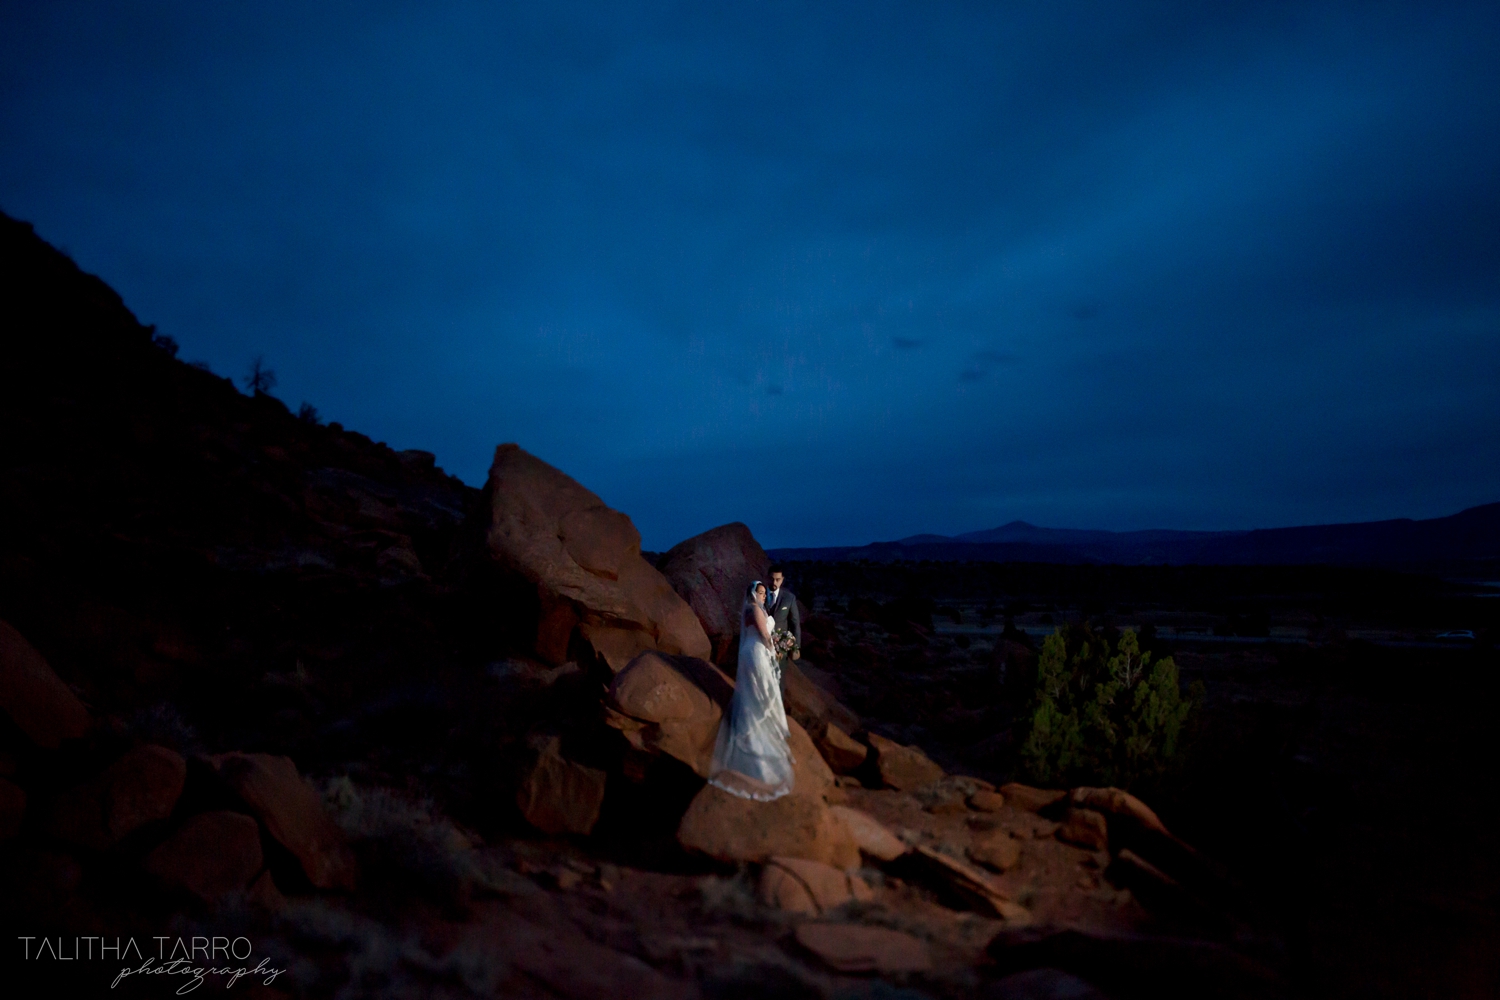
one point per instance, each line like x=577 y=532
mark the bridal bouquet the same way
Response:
x=785 y=642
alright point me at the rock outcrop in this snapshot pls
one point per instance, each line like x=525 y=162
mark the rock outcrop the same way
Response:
x=798 y=885
x=292 y=813
x=672 y=705
x=731 y=828
x=870 y=834
x=213 y=855
x=711 y=572
x=583 y=562
x=37 y=700
x=139 y=788
x=903 y=767
x=557 y=795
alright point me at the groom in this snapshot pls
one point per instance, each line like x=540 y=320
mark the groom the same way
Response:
x=781 y=608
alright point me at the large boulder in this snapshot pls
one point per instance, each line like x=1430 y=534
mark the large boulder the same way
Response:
x=293 y=815
x=584 y=562
x=213 y=855
x=870 y=834
x=43 y=706
x=810 y=704
x=797 y=885
x=903 y=767
x=139 y=788
x=711 y=572
x=677 y=701
x=843 y=752
x=731 y=828
x=557 y=795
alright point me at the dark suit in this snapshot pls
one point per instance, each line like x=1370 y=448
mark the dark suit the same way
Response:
x=782 y=610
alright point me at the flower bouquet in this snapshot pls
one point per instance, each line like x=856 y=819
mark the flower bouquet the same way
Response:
x=785 y=643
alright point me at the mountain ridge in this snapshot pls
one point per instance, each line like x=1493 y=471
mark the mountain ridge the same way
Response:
x=1464 y=541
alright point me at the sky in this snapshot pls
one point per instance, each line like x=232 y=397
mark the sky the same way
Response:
x=842 y=271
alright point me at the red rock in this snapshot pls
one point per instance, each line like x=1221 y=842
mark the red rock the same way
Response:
x=843 y=752
x=1085 y=828
x=711 y=572
x=1118 y=802
x=140 y=787
x=264 y=893
x=43 y=706
x=798 y=885
x=731 y=828
x=679 y=698
x=292 y=813
x=973 y=885
x=557 y=795
x=997 y=850
x=1025 y=797
x=854 y=948
x=12 y=808
x=213 y=855
x=987 y=801
x=901 y=767
x=809 y=704
x=584 y=560
x=870 y=834
x=562 y=960
x=810 y=772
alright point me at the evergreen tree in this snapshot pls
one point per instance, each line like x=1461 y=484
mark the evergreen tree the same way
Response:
x=1103 y=713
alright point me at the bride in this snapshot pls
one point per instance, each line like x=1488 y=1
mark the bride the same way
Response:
x=751 y=757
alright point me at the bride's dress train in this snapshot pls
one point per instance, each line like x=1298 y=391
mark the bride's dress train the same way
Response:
x=751 y=757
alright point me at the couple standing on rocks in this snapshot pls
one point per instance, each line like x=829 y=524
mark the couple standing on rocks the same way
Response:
x=751 y=756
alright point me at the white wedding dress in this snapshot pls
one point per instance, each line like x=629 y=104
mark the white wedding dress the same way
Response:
x=751 y=756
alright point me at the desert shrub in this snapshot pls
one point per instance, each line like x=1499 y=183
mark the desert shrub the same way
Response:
x=1104 y=713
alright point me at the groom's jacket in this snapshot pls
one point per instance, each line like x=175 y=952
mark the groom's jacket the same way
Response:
x=782 y=607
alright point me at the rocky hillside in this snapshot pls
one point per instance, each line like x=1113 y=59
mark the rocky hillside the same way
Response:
x=267 y=682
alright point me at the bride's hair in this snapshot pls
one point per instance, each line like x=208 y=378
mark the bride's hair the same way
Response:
x=750 y=593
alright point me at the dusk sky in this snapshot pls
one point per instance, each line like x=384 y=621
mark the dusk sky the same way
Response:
x=845 y=272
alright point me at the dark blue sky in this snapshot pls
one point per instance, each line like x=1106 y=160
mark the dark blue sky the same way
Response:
x=842 y=271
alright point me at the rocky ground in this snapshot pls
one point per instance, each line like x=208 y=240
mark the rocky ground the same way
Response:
x=273 y=692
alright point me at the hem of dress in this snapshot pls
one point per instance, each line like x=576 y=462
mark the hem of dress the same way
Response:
x=773 y=796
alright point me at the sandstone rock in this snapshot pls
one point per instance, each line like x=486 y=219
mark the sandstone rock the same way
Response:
x=842 y=752
x=996 y=849
x=1030 y=799
x=43 y=706
x=870 y=834
x=292 y=813
x=810 y=772
x=12 y=808
x=1085 y=828
x=1118 y=802
x=809 y=704
x=731 y=828
x=557 y=960
x=798 y=885
x=711 y=572
x=140 y=787
x=557 y=795
x=584 y=560
x=970 y=885
x=901 y=767
x=680 y=700
x=989 y=802
x=213 y=855
x=852 y=948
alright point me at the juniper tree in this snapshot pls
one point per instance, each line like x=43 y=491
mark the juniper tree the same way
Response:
x=1103 y=713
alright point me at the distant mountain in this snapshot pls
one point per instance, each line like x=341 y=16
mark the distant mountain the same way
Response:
x=1468 y=540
